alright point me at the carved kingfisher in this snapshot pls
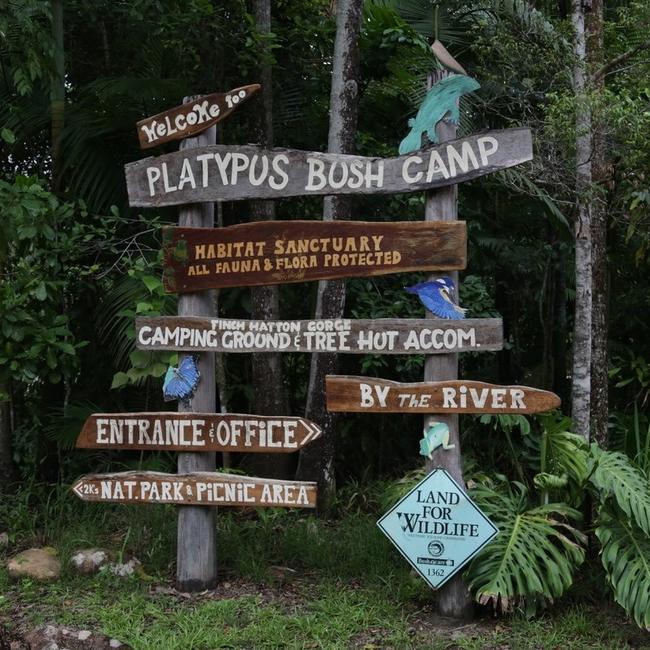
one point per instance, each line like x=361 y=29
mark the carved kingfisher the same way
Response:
x=436 y=296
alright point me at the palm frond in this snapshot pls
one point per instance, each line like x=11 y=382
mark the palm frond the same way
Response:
x=625 y=555
x=430 y=19
x=534 y=20
x=64 y=424
x=614 y=475
x=115 y=329
x=563 y=452
x=535 y=555
x=521 y=182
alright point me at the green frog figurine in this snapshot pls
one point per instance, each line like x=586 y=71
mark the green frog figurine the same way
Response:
x=435 y=435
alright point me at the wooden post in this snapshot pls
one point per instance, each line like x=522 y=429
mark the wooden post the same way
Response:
x=453 y=598
x=196 y=555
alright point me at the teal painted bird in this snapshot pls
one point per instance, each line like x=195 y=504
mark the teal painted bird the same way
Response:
x=441 y=101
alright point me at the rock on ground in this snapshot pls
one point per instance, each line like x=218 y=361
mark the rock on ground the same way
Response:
x=127 y=568
x=37 y=563
x=89 y=560
x=54 y=637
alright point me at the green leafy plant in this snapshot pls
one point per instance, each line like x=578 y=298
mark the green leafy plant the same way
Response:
x=536 y=554
x=625 y=555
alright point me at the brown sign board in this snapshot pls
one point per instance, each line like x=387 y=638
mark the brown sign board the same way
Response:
x=231 y=173
x=191 y=118
x=370 y=395
x=196 y=488
x=379 y=336
x=191 y=432
x=276 y=252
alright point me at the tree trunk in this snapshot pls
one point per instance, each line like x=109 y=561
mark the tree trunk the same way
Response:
x=560 y=384
x=57 y=92
x=268 y=384
x=599 y=358
x=581 y=379
x=7 y=468
x=317 y=460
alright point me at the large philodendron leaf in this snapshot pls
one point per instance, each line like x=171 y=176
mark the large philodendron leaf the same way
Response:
x=614 y=475
x=625 y=554
x=533 y=557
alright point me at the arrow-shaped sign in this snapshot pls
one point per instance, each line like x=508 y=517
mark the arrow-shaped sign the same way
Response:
x=191 y=118
x=192 y=432
x=196 y=488
x=368 y=394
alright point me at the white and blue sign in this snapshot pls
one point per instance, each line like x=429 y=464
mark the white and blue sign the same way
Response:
x=437 y=527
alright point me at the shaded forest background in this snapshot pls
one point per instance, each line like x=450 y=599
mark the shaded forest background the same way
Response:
x=78 y=264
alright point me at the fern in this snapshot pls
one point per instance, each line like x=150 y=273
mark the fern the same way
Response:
x=625 y=555
x=614 y=475
x=534 y=556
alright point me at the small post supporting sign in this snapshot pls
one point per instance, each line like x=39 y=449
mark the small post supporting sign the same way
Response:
x=442 y=205
x=196 y=555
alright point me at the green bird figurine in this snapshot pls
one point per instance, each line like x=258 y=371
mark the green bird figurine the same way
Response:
x=435 y=435
x=441 y=101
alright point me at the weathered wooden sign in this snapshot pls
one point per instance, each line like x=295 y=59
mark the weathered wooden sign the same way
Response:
x=380 y=336
x=196 y=488
x=231 y=173
x=367 y=394
x=273 y=252
x=190 y=432
x=191 y=118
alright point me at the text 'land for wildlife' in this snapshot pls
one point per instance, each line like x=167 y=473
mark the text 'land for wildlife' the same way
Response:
x=191 y=118
x=196 y=488
x=196 y=432
x=379 y=336
x=367 y=394
x=275 y=252
x=231 y=173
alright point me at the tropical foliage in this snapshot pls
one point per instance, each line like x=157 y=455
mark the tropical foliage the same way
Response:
x=77 y=265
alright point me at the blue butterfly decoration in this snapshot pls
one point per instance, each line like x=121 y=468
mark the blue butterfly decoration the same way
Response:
x=180 y=383
x=436 y=296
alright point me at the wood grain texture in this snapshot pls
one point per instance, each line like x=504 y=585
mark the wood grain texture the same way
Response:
x=231 y=173
x=442 y=204
x=196 y=432
x=277 y=252
x=196 y=548
x=371 y=395
x=192 y=117
x=196 y=489
x=378 y=336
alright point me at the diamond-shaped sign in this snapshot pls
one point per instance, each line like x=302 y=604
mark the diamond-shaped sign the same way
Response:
x=437 y=527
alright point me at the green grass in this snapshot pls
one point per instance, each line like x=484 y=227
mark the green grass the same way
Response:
x=347 y=587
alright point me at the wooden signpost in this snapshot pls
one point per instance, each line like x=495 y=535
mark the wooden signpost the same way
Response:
x=196 y=432
x=274 y=252
x=198 y=259
x=233 y=173
x=366 y=394
x=379 y=336
x=196 y=488
x=192 y=117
